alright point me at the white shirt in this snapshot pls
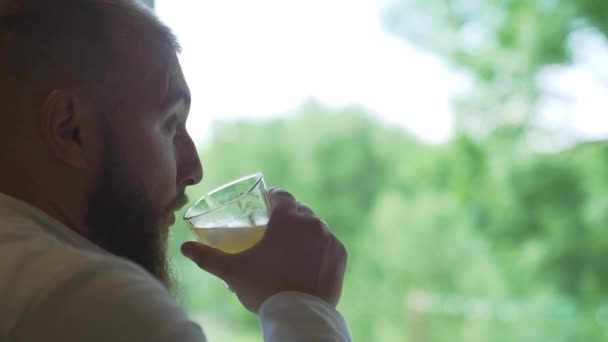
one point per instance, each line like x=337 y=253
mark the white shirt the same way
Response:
x=57 y=286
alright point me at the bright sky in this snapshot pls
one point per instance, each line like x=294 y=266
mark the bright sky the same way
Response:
x=582 y=90
x=246 y=58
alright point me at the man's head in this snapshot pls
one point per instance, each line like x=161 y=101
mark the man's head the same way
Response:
x=93 y=105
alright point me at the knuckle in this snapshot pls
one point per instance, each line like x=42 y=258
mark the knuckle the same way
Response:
x=316 y=224
x=303 y=207
x=276 y=192
x=341 y=248
x=342 y=252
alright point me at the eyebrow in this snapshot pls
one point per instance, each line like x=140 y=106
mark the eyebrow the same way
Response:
x=174 y=97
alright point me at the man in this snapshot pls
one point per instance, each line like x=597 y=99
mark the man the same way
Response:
x=94 y=161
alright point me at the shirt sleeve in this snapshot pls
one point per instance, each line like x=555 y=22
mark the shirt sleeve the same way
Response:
x=106 y=301
x=295 y=316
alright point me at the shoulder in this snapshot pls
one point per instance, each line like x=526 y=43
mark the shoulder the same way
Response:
x=43 y=263
x=106 y=300
x=60 y=292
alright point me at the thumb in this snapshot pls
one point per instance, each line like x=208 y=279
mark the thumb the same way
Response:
x=208 y=258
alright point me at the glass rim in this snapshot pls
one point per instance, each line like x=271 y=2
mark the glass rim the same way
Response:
x=259 y=177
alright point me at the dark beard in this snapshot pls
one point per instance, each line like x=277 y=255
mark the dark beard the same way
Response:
x=123 y=219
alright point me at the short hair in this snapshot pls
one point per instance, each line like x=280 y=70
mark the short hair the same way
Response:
x=47 y=44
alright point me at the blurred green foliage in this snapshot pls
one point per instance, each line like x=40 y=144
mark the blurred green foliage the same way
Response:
x=477 y=239
x=465 y=241
x=502 y=45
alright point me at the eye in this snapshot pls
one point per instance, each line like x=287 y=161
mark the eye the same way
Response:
x=171 y=124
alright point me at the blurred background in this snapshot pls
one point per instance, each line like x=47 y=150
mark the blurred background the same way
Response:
x=455 y=147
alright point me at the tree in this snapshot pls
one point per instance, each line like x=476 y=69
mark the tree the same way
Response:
x=501 y=45
x=489 y=241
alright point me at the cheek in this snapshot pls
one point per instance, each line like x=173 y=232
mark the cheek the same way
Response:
x=156 y=165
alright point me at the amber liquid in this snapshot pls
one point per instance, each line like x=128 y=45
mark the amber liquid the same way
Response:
x=230 y=240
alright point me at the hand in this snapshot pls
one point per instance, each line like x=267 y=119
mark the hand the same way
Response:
x=297 y=253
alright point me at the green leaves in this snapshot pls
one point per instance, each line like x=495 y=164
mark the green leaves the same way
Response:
x=502 y=45
x=498 y=237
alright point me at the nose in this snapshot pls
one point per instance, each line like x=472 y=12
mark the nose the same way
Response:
x=190 y=169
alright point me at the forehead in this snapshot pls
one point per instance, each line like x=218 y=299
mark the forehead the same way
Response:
x=177 y=93
x=176 y=87
x=153 y=78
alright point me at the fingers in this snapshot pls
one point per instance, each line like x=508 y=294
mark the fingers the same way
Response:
x=332 y=271
x=297 y=253
x=207 y=258
x=304 y=209
x=281 y=200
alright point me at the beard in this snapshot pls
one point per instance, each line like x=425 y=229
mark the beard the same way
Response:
x=124 y=219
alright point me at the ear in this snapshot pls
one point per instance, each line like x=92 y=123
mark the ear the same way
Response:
x=62 y=119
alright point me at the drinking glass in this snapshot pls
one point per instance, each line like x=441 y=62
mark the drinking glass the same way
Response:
x=232 y=217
